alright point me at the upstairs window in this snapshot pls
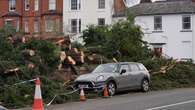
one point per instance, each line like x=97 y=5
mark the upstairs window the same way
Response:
x=101 y=21
x=52 y=4
x=75 y=5
x=36 y=5
x=101 y=4
x=158 y=23
x=27 y=5
x=186 y=22
x=12 y=5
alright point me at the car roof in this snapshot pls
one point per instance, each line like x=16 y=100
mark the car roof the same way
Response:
x=124 y=63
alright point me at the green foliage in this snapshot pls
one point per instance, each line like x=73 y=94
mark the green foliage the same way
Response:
x=123 y=36
x=7 y=31
x=95 y=35
x=182 y=75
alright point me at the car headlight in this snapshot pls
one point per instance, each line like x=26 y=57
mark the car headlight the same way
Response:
x=100 y=78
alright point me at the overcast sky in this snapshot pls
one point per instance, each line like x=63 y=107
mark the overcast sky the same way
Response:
x=133 y=2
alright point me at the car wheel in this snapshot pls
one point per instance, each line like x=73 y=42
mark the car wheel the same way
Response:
x=111 y=88
x=145 y=85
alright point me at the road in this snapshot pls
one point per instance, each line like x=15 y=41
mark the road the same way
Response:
x=178 y=99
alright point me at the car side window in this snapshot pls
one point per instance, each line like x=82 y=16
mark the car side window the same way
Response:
x=125 y=67
x=134 y=67
x=141 y=67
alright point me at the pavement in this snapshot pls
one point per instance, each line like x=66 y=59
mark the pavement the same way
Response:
x=178 y=99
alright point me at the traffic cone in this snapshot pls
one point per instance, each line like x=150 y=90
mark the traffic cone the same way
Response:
x=38 y=102
x=82 y=95
x=106 y=94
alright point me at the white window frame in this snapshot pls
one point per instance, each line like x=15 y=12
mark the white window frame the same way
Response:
x=12 y=5
x=26 y=26
x=190 y=22
x=156 y=24
x=36 y=5
x=36 y=26
x=27 y=5
x=49 y=25
x=101 y=4
x=52 y=4
x=77 y=5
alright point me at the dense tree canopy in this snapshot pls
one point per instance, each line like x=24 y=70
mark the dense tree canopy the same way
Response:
x=124 y=37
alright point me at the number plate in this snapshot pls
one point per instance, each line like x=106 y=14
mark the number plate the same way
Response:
x=83 y=86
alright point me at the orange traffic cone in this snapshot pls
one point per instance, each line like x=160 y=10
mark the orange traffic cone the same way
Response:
x=106 y=95
x=82 y=95
x=38 y=102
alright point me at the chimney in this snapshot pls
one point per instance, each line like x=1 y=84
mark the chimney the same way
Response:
x=119 y=6
x=145 y=1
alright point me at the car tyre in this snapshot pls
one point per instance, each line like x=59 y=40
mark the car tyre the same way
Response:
x=111 y=88
x=145 y=85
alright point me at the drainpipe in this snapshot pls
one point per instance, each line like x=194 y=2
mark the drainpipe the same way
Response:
x=193 y=40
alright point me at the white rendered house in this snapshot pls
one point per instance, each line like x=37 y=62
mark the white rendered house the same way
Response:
x=78 y=14
x=168 y=26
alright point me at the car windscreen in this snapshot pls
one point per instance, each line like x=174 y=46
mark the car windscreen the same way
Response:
x=105 y=68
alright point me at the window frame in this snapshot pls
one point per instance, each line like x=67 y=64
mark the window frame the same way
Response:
x=26 y=26
x=103 y=23
x=36 y=26
x=52 y=5
x=76 y=5
x=26 y=5
x=157 y=25
x=36 y=6
x=101 y=4
x=12 y=5
x=74 y=27
x=49 y=24
x=189 y=22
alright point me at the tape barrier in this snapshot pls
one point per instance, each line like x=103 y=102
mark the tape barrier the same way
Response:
x=61 y=95
x=22 y=82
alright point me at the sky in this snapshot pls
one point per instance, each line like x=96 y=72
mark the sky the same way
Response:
x=133 y=2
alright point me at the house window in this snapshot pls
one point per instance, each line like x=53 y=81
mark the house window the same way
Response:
x=158 y=23
x=101 y=4
x=74 y=25
x=186 y=22
x=13 y=23
x=52 y=4
x=27 y=5
x=49 y=24
x=36 y=5
x=75 y=5
x=101 y=21
x=36 y=26
x=12 y=5
x=26 y=27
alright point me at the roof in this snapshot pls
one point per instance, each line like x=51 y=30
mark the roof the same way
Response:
x=161 y=8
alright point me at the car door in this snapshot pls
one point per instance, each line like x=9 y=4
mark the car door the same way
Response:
x=135 y=75
x=123 y=79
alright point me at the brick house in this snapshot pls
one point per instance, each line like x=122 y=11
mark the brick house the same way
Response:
x=34 y=17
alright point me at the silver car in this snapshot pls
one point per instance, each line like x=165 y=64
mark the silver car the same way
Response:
x=116 y=76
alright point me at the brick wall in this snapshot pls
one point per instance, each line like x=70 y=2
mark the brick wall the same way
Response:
x=31 y=15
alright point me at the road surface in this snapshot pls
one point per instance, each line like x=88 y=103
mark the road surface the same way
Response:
x=179 y=99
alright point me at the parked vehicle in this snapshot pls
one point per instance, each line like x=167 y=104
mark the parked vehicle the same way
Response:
x=2 y=108
x=116 y=76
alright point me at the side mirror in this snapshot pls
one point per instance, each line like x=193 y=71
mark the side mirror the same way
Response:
x=123 y=71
